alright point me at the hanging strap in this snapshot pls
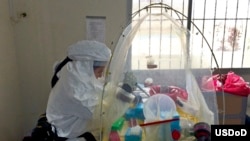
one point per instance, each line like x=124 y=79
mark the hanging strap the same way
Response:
x=57 y=69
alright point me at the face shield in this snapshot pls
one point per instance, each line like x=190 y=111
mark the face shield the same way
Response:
x=99 y=68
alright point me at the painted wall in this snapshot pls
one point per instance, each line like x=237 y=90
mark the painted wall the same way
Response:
x=10 y=96
x=37 y=36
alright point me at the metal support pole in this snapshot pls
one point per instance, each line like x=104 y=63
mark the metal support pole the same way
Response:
x=190 y=3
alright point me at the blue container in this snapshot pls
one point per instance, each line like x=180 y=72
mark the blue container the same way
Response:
x=129 y=136
x=129 y=114
x=138 y=111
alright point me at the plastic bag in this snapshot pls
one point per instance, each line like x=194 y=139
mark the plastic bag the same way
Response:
x=172 y=91
x=229 y=83
x=212 y=83
x=235 y=84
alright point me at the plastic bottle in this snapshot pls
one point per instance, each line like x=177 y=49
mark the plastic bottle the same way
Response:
x=186 y=127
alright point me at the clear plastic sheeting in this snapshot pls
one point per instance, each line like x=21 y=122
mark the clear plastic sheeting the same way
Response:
x=159 y=107
x=167 y=70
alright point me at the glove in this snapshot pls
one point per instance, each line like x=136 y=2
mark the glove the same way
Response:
x=125 y=96
x=129 y=82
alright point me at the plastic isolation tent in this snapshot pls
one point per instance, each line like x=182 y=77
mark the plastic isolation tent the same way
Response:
x=168 y=60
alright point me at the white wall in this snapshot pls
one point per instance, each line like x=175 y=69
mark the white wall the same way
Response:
x=10 y=103
x=30 y=46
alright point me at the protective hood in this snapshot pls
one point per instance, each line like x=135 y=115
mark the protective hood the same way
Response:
x=77 y=93
x=89 y=50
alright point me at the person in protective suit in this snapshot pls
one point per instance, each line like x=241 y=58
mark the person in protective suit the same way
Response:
x=72 y=109
x=74 y=95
